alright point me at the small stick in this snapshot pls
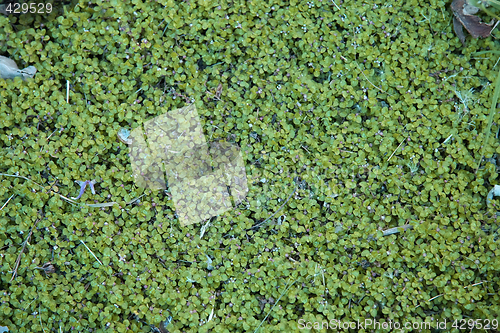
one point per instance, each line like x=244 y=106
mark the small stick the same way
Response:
x=51 y=135
x=431 y=299
x=4 y=174
x=67 y=91
x=448 y=138
x=274 y=306
x=30 y=303
x=385 y=92
x=165 y=29
x=48 y=139
x=493 y=27
x=204 y=228
x=62 y=196
x=72 y=202
x=160 y=23
x=68 y=199
x=133 y=200
x=5 y=204
x=475 y=284
x=91 y=252
x=395 y=150
x=258 y=225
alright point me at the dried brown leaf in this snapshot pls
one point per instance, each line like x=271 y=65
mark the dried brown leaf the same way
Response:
x=459 y=30
x=218 y=92
x=462 y=11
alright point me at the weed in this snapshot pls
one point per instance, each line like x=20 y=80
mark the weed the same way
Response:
x=412 y=166
x=467 y=100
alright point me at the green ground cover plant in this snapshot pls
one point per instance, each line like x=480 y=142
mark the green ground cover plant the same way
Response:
x=353 y=119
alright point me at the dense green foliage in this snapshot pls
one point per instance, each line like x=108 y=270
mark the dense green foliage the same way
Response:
x=354 y=117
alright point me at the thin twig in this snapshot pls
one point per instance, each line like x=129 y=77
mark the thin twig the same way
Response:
x=385 y=92
x=18 y=261
x=108 y=204
x=476 y=284
x=204 y=228
x=72 y=202
x=27 y=306
x=494 y=26
x=164 y=29
x=51 y=134
x=67 y=91
x=5 y=204
x=447 y=139
x=431 y=299
x=3 y=174
x=263 y=320
x=395 y=150
x=258 y=225
x=160 y=23
x=48 y=138
x=91 y=252
x=134 y=200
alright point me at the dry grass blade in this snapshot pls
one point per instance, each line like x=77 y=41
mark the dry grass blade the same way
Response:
x=472 y=285
x=71 y=201
x=134 y=200
x=476 y=284
x=385 y=92
x=18 y=261
x=109 y=204
x=263 y=320
x=396 y=150
x=104 y=204
x=5 y=204
x=270 y=217
x=494 y=101
x=92 y=253
x=16 y=176
x=204 y=229
x=431 y=299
